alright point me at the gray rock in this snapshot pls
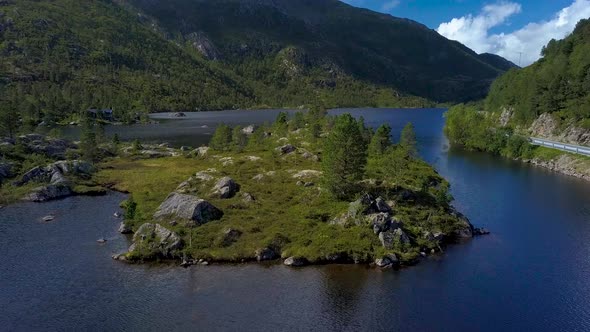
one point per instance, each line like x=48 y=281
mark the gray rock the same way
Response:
x=383 y=262
x=248 y=198
x=153 y=240
x=296 y=261
x=187 y=208
x=185 y=148
x=481 y=231
x=226 y=188
x=392 y=237
x=230 y=236
x=48 y=193
x=249 y=130
x=286 y=149
x=265 y=254
x=202 y=151
x=308 y=184
x=380 y=222
x=124 y=229
x=36 y=174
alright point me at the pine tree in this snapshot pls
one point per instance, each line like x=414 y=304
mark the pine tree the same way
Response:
x=88 y=144
x=380 y=141
x=222 y=138
x=239 y=139
x=408 y=139
x=344 y=158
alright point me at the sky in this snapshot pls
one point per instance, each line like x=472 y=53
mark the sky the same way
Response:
x=514 y=29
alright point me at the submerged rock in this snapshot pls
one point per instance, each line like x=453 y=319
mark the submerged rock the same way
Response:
x=187 y=208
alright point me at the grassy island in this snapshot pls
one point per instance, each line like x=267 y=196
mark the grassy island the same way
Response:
x=285 y=201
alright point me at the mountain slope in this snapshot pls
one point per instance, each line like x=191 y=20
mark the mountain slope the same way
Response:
x=328 y=39
x=62 y=56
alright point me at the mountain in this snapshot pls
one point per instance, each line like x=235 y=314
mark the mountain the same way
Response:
x=325 y=40
x=61 y=57
x=497 y=61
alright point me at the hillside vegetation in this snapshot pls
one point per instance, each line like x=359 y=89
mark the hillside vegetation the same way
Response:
x=549 y=98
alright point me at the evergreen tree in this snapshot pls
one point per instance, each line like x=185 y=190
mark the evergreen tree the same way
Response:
x=9 y=119
x=222 y=138
x=365 y=131
x=408 y=139
x=239 y=139
x=297 y=122
x=256 y=140
x=281 y=124
x=344 y=158
x=88 y=142
x=380 y=141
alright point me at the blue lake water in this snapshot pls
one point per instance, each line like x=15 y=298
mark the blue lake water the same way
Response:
x=531 y=273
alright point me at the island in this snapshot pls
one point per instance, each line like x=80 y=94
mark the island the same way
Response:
x=307 y=189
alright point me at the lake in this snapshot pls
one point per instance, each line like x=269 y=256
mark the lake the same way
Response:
x=531 y=273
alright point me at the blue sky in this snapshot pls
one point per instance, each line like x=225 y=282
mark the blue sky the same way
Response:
x=515 y=29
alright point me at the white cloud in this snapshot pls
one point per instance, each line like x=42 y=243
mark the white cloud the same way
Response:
x=389 y=5
x=474 y=31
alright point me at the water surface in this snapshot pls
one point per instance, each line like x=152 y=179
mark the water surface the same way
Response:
x=531 y=274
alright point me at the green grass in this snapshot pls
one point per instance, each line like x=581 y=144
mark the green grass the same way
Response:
x=292 y=217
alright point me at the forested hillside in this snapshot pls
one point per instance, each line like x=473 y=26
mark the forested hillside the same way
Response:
x=63 y=56
x=302 y=44
x=550 y=98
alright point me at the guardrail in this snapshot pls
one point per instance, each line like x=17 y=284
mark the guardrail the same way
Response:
x=583 y=150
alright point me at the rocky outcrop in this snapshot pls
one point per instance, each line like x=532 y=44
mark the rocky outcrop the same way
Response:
x=249 y=130
x=125 y=229
x=187 y=209
x=59 y=186
x=389 y=260
x=204 y=45
x=50 y=147
x=296 y=261
x=265 y=254
x=49 y=193
x=202 y=151
x=506 y=116
x=286 y=149
x=5 y=171
x=155 y=241
x=566 y=164
x=546 y=126
x=390 y=238
x=226 y=188
x=306 y=174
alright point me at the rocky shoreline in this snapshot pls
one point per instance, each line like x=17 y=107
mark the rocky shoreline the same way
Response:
x=564 y=164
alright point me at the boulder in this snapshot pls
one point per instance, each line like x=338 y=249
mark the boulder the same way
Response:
x=187 y=208
x=258 y=177
x=295 y=261
x=226 y=188
x=383 y=262
x=392 y=237
x=50 y=192
x=286 y=149
x=124 y=229
x=249 y=130
x=379 y=222
x=6 y=171
x=248 y=198
x=153 y=240
x=230 y=236
x=308 y=173
x=36 y=174
x=185 y=148
x=265 y=254
x=202 y=151
x=481 y=231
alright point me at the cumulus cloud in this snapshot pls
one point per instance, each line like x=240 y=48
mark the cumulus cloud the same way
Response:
x=522 y=45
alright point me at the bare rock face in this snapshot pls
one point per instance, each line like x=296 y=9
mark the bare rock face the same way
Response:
x=392 y=237
x=544 y=126
x=226 y=188
x=506 y=116
x=153 y=240
x=187 y=209
x=204 y=45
